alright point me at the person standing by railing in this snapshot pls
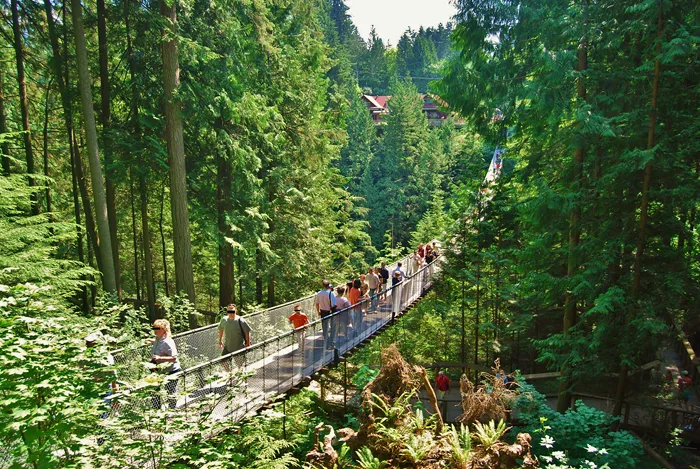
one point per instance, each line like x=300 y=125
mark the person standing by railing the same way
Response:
x=399 y=269
x=234 y=333
x=325 y=306
x=355 y=298
x=164 y=350
x=396 y=285
x=373 y=282
x=384 y=276
x=343 y=305
x=299 y=320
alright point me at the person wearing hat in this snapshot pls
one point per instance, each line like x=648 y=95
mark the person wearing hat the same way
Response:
x=299 y=320
x=325 y=306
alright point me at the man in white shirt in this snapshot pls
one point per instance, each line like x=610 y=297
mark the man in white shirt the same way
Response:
x=399 y=269
x=373 y=282
x=325 y=306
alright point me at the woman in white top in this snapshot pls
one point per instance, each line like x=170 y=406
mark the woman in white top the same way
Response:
x=164 y=350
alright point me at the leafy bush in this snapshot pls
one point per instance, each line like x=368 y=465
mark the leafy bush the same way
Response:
x=29 y=245
x=576 y=433
x=177 y=310
x=51 y=383
x=363 y=376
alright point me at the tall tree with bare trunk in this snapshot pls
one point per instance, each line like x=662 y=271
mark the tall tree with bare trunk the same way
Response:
x=106 y=120
x=184 y=277
x=104 y=245
x=23 y=102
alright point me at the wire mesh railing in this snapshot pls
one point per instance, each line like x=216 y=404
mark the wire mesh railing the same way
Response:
x=277 y=364
x=201 y=345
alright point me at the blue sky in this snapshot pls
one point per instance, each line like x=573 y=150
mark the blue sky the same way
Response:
x=392 y=17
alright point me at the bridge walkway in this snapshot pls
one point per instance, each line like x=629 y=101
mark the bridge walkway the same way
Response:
x=231 y=386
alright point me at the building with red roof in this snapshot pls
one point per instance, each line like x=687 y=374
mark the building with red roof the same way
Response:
x=379 y=107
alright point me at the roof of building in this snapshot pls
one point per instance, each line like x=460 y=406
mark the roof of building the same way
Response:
x=372 y=100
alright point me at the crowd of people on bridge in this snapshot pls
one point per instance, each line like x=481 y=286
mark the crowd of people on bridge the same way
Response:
x=354 y=300
x=358 y=297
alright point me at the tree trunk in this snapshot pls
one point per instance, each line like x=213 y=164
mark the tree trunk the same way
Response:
x=49 y=207
x=258 y=277
x=23 y=103
x=184 y=277
x=644 y=206
x=56 y=62
x=143 y=174
x=227 y=287
x=106 y=121
x=163 y=245
x=76 y=210
x=271 y=290
x=137 y=270
x=5 y=148
x=104 y=245
x=147 y=255
x=564 y=397
x=85 y=197
x=47 y=172
x=240 y=279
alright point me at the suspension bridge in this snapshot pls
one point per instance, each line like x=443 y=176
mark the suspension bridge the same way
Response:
x=276 y=362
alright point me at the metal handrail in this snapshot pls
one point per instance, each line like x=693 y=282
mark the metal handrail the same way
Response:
x=270 y=322
x=280 y=362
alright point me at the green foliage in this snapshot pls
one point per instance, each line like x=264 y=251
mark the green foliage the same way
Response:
x=177 y=310
x=366 y=460
x=32 y=244
x=392 y=413
x=363 y=376
x=52 y=383
x=416 y=448
x=575 y=432
x=461 y=445
x=488 y=435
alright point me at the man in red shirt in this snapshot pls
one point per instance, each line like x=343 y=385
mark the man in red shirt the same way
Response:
x=299 y=320
x=442 y=382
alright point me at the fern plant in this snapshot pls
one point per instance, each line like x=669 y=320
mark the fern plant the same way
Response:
x=366 y=460
x=461 y=445
x=488 y=435
x=344 y=457
x=392 y=413
x=419 y=423
x=416 y=448
x=271 y=452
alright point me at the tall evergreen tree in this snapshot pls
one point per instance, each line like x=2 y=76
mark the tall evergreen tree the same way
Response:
x=184 y=275
x=104 y=246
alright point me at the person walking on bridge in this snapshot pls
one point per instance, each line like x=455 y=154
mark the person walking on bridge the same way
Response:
x=343 y=308
x=234 y=333
x=399 y=269
x=384 y=276
x=373 y=282
x=164 y=350
x=325 y=306
x=299 y=320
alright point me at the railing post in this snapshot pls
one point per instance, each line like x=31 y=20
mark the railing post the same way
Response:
x=345 y=385
x=264 y=354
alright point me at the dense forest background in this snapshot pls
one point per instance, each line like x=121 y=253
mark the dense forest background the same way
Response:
x=222 y=152
x=219 y=180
